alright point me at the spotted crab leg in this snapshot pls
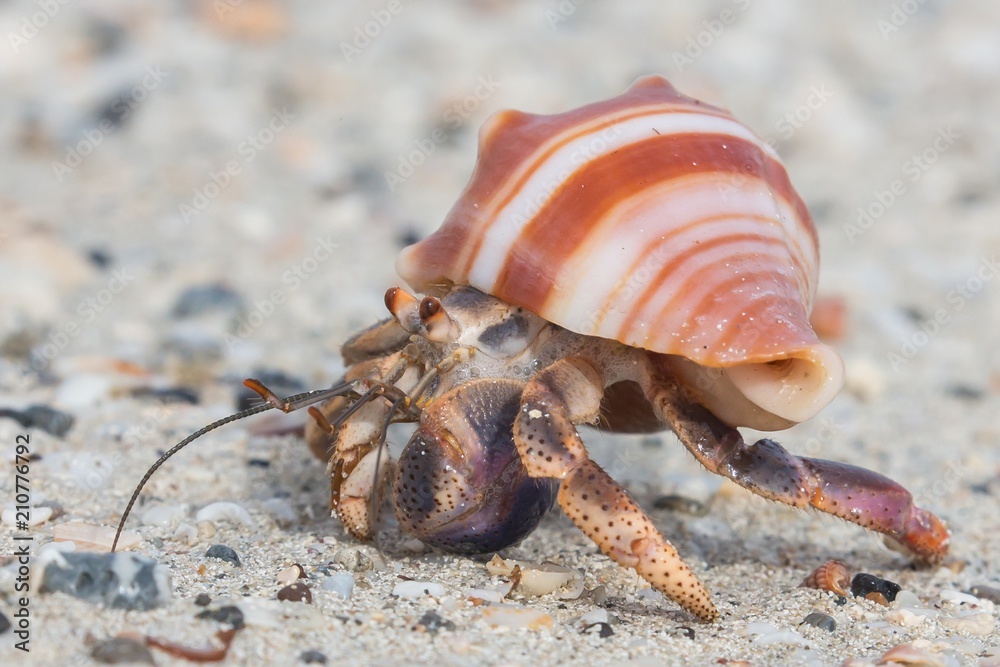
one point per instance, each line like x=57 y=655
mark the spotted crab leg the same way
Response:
x=855 y=494
x=566 y=393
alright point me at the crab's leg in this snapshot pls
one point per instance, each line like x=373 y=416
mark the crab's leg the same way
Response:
x=767 y=469
x=566 y=393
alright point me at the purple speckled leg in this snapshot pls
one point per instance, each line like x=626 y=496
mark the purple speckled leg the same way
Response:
x=855 y=494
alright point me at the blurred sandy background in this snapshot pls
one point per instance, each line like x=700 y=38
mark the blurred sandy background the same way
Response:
x=273 y=157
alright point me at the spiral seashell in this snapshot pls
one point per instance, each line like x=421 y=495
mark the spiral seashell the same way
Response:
x=830 y=576
x=655 y=220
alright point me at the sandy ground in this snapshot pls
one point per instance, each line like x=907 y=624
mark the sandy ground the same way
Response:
x=286 y=152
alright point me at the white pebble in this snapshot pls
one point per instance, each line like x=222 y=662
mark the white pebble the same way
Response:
x=416 y=589
x=485 y=595
x=280 y=510
x=187 y=533
x=979 y=623
x=781 y=637
x=163 y=516
x=594 y=616
x=517 y=617
x=340 y=583
x=909 y=599
x=759 y=628
x=224 y=511
x=36 y=515
x=957 y=597
x=905 y=617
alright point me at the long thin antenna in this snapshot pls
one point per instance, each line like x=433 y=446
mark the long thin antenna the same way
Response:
x=289 y=404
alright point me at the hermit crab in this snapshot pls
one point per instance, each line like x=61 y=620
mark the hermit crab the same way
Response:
x=638 y=264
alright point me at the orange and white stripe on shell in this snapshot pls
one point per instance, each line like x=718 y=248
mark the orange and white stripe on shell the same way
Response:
x=652 y=219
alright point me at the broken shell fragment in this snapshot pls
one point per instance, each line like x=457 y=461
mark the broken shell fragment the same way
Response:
x=538 y=578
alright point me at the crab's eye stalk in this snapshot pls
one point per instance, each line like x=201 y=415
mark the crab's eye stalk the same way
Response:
x=461 y=485
x=440 y=327
x=404 y=307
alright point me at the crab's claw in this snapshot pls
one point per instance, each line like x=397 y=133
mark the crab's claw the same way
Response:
x=461 y=485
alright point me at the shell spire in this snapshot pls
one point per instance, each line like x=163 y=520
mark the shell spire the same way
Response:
x=655 y=220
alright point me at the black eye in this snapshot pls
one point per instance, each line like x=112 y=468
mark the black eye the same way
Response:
x=511 y=334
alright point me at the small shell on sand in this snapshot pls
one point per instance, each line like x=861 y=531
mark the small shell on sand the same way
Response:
x=830 y=576
x=91 y=537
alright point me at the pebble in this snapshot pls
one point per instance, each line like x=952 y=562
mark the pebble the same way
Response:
x=485 y=595
x=228 y=614
x=91 y=537
x=904 y=617
x=984 y=592
x=594 y=616
x=118 y=580
x=203 y=600
x=957 y=597
x=36 y=516
x=865 y=584
x=819 y=620
x=48 y=419
x=186 y=532
x=202 y=299
x=340 y=583
x=603 y=630
x=537 y=578
x=431 y=622
x=516 y=617
x=224 y=512
x=905 y=598
x=313 y=657
x=291 y=574
x=280 y=510
x=979 y=624
x=416 y=589
x=4 y=623
x=118 y=650
x=297 y=592
x=222 y=552
x=168 y=395
x=682 y=504
x=163 y=516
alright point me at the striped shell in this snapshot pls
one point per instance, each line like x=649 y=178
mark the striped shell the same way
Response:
x=655 y=220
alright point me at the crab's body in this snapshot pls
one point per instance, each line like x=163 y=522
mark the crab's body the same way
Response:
x=498 y=392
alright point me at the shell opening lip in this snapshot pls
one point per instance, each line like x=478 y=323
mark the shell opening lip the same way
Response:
x=795 y=388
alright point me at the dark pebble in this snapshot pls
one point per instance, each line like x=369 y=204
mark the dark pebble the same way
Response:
x=280 y=383
x=168 y=395
x=222 y=552
x=431 y=621
x=207 y=298
x=313 y=657
x=864 y=584
x=48 y=419
x=407 y=237
x=99 y=257
x=4 y=623
x=984 y=592
x=120 y=650
x=259 y=463
x=297 y=592
x=686 y=631
x=818 y=620
x=964 y=392
x=94 y=577
x=229 y=614
x=203 y=600
x=603 y=629
x=676 y=503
